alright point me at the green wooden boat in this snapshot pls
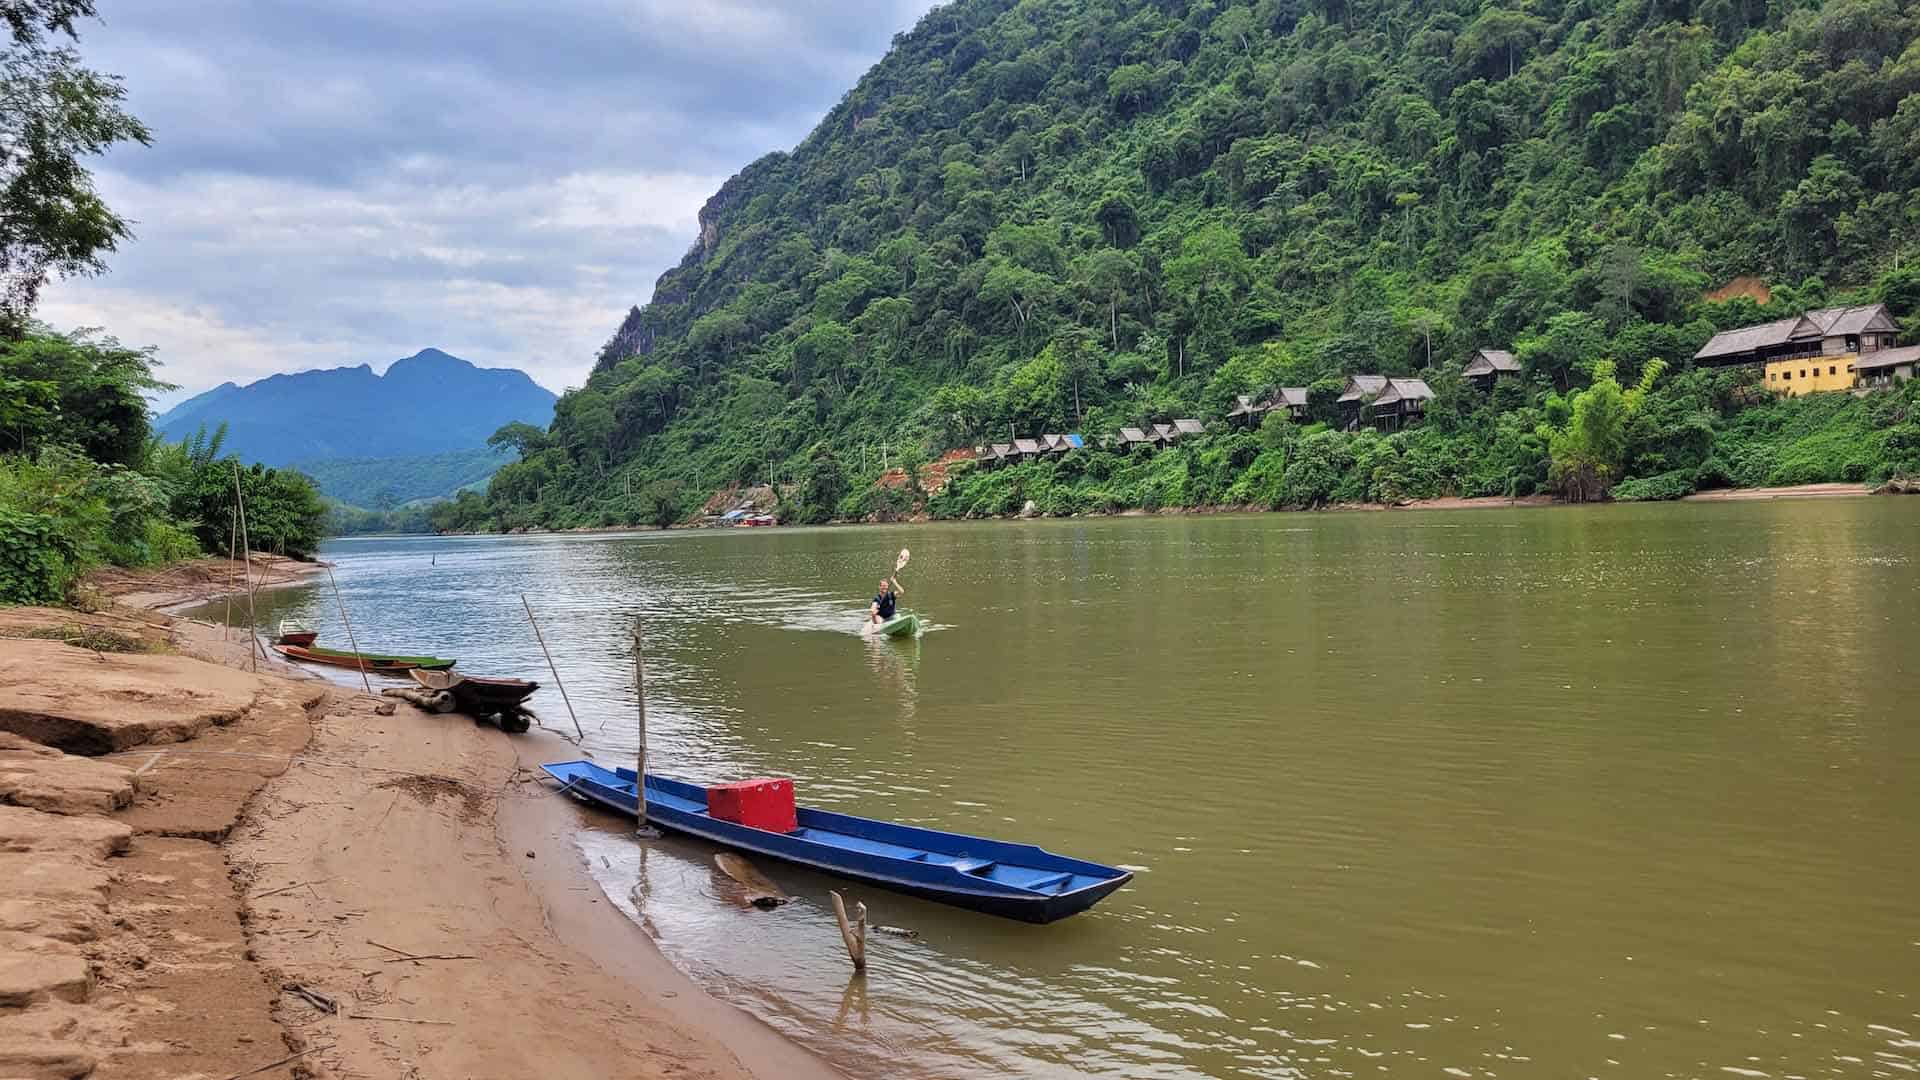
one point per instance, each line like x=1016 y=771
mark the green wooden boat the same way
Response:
x=363 y=661
x=905 y=624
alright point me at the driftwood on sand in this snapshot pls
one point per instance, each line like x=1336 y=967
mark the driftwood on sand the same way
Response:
x=435 y=701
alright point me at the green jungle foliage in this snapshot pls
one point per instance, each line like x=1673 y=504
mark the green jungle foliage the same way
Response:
x=1686 y=435
x=383 y=484
x=64 y=510
x=283 y=512
x=345 y=520
x=1069 y=215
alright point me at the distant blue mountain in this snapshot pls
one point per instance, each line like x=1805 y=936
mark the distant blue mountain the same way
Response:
x=428 y=403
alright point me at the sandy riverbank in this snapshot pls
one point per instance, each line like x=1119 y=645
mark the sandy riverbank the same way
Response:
x=1796 y=491
x=216 y=837
x=197 y=581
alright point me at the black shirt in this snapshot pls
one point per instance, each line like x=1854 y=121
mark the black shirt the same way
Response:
x=885 y=601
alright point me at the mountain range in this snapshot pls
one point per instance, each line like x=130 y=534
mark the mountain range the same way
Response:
x=429 y=403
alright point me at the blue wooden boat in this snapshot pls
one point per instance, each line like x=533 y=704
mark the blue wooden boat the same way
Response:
x=1016 y=881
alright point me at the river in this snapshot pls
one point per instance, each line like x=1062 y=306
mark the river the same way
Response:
x=1618 y=791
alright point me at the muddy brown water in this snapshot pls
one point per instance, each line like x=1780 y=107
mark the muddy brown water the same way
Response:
x=1622 y=791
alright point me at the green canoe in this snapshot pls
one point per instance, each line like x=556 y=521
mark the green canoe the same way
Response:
x=905 y=624
x=362 y=661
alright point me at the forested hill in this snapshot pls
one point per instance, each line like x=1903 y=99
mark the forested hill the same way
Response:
x=1076 y=214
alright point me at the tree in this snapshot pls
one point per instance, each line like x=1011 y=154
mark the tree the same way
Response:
x=1590 y=450
x=820 y=493
x=1110 y=275
x=1119 y=221
x=53 y=113
x=1130 y=89
x=523 y=438
x=660 y=503
x=83 y=390
x=1079 y=362
x=1568 y=345
x=957 y=413
x=1207 y=277
x=1021 y=291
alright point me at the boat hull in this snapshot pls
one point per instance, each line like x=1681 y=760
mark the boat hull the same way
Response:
x=1013 y=881
x=906 y=624
x=362 y=661
x=473 y=692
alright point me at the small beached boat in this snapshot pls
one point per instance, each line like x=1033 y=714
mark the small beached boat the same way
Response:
x=905 y=624
x=361 y=661
x=1016 y=881
x=293 y=633
x=475 y=693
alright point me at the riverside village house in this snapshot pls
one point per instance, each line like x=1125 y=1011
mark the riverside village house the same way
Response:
x=1828 y=349
x=1489 y=366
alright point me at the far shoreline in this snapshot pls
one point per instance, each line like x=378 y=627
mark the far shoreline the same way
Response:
x=1447 y=502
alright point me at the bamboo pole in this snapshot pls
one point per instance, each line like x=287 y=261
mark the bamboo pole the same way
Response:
x=640 y=697
x=226 y=625
x=542 y=638
x=359 y=661
x=246 y=551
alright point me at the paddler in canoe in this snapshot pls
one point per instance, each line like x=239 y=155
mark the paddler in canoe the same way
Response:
x=885 y=601
x=883 y=616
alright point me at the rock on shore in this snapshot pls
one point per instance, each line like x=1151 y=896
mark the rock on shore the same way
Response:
x=121 y=947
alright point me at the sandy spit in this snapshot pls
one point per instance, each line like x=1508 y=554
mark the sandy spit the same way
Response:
x=266 y=871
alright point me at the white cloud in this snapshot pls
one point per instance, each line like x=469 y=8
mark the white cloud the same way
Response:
x=348 y=183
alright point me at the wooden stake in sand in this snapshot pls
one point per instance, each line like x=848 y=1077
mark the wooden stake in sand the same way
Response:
x=640 y=698
x=853 y=932
x=348 y=623
x=233 y=542
x=246 y=550
x=542 y=638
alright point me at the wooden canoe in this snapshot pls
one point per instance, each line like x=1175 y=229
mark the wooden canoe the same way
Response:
x=361 y=661
x=904 y=624
x=1015 y=881
x=476 y=693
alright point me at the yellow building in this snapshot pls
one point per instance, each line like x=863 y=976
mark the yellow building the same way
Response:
x=1812 y=374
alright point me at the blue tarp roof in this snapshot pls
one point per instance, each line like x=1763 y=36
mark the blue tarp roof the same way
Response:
x=733 y=515
x=1076 y=442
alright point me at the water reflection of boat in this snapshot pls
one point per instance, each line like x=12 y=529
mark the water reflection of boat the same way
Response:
x=895 y=662
x=1016 y=881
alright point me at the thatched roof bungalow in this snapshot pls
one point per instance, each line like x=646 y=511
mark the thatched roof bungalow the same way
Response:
x=1488 y=366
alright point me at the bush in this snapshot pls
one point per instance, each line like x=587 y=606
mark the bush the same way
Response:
x=1667 y=485
x=37 y=562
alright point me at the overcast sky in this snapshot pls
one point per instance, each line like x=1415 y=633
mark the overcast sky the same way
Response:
x=339 y=182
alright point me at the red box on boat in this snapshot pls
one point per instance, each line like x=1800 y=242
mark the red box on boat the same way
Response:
x=765 y=803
